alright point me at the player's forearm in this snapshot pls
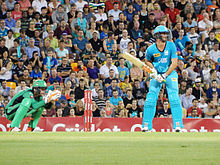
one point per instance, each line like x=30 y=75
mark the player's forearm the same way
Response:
x=148 y=63
x=172 y=66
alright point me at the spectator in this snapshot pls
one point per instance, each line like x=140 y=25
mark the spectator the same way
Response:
x=138 y=92
x=121 y=111
x=6 y=71
x=89 y=33
x=129 y=12
x=79 y=91
x=16 y=13
x=165 y=112
x=194 y=107
x=198 y=90
x=26 y=77
x=134 y=111
x=100 y=99
x=172 y=12
x=109 y=42
x=110 y=23
x=59 y=15
x=123 y=41
x=136 y=32
x=3 y=48
x=4 y=89
x=92 y=70
x=9 y=21
x=158 y=13
x=36 y=73
x=61 y=52
x=3 y=29
x=187 y=98
x=79 y=43
x=16 y=51
x=97 y=44
x=190 y=23
x=205 y=26
x=59 y=111
x=31 y=48
x=18 y=70
x=202 y=104
x=25 y=4
x=123 y=71
x=79 y=109
x=108 y=110
x=115 y=11
x=191 y=73
x=23 y=39
x=38 y=4
x=210 y=112
x=210 y=41
x=109 y=5
x=215 y=53
x=52 y=39
x=112 y=87
x=64 y=68
x=115 y=98
x=150 y=24
x=63 y=28
x=79 y=21
x=198 y=5
x=104 y=70
x=54 y=76
x=193 y=36
x=212 y=89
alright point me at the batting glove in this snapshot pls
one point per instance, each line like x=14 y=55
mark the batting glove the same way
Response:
x=153 y=73
x=52 y=96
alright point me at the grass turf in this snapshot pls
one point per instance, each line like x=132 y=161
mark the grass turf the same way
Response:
x=109 y=148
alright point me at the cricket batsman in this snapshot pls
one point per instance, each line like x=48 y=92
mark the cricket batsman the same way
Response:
x=30 y=102
x=162 y=58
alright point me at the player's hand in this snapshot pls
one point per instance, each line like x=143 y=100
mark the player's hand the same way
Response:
x=52 y=96
x=153 y=73
x=159 y=78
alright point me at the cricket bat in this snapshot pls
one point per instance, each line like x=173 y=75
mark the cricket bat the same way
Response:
x=136 y=62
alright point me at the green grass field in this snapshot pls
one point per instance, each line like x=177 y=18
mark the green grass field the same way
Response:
x=109 y=148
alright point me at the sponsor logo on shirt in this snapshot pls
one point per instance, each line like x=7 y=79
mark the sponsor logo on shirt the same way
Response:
x=174 y=79
x=156 y=55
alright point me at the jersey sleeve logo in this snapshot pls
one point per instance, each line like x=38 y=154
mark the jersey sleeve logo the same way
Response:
x=31 y=96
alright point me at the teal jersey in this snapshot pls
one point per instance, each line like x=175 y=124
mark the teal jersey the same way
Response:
x=161 y=60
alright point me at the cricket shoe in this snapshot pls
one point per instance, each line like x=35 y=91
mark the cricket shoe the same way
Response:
x=145 y=129
x=15 y=129
x=38 y=129
x=178 y=129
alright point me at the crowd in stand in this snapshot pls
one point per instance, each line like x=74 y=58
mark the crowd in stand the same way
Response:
x=75 y=45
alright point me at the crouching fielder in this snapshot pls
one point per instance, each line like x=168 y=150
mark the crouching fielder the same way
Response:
x=29 y=102
x=162 y=57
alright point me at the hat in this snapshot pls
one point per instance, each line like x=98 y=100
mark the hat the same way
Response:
x=197 y=80
x=151 y=14
x=86 y=5
x=95 y=31
x=20 y=60
x=64 y=32
x=100 y=7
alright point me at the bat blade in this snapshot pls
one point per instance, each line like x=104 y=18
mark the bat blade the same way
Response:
x=136 y=62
